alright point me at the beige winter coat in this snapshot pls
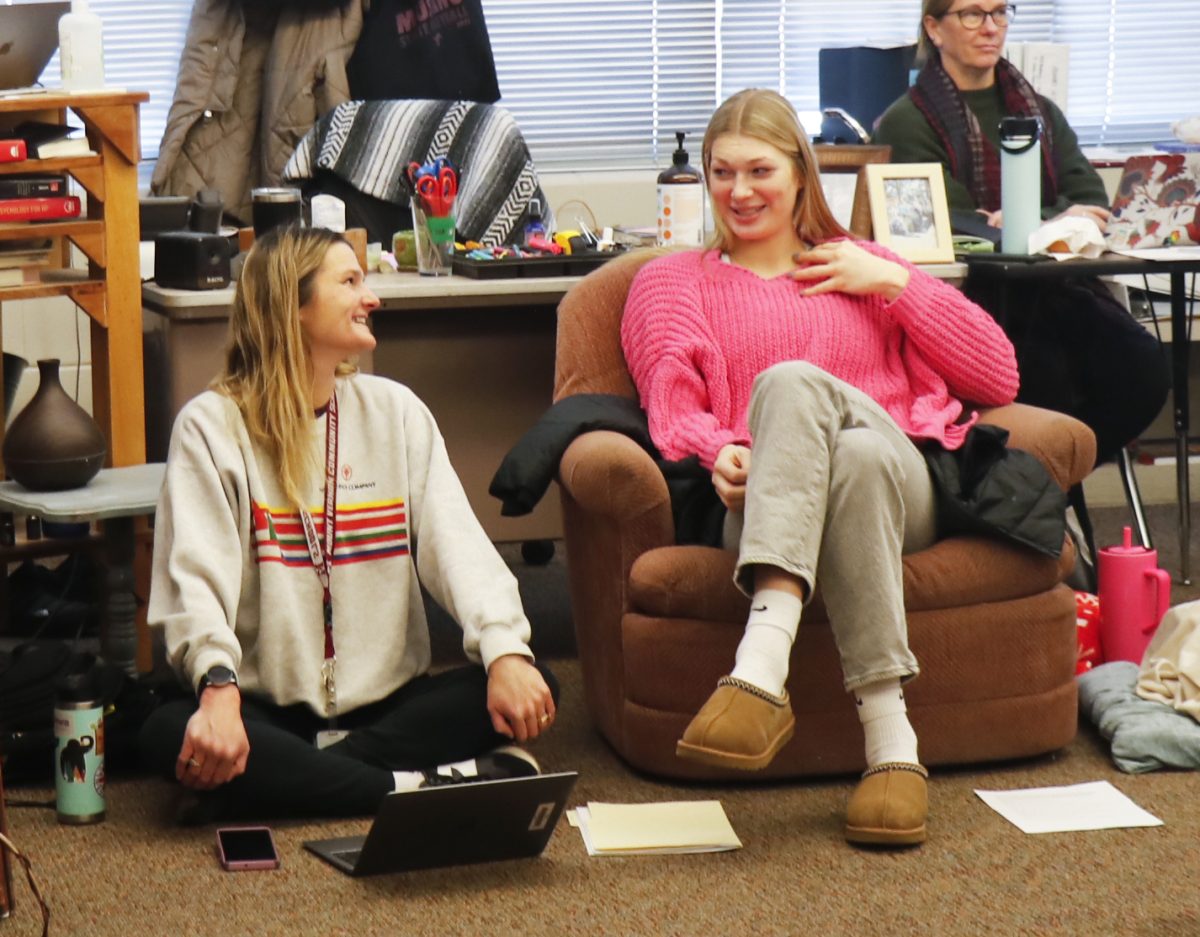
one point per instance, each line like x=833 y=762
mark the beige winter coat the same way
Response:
x=251 y=84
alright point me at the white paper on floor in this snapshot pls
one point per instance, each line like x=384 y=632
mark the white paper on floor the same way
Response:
x=1096 y=805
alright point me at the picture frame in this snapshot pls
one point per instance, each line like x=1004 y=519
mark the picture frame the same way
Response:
x=844 y=181
x=909 y=213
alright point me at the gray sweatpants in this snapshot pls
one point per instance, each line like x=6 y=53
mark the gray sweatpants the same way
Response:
x=836 y=494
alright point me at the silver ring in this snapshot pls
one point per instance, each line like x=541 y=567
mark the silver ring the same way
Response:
x=193 y=763
x=543 y=719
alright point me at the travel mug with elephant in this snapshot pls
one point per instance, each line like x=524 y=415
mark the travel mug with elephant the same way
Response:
x=79 y=751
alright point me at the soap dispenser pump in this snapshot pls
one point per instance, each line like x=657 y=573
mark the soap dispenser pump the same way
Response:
x=680 y=202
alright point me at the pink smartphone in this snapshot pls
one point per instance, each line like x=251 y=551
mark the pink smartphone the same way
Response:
x=241 y=848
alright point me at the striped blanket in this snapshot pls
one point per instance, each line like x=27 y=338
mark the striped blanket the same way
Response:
x=368 y=144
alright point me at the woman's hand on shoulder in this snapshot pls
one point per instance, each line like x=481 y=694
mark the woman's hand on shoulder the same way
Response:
x=729 y=474
x=844 y=267
x=519 y=702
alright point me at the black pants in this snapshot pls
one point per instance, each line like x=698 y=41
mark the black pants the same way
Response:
x=1080 y=352
x=431 y=720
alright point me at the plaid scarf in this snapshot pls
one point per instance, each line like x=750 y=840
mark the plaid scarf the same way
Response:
x=974 y=161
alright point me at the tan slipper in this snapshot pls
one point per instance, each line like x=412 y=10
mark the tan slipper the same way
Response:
x=889 y=806
x=741 y=726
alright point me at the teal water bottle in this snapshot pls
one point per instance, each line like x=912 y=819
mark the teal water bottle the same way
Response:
x=79 y=748
x=1020 y=182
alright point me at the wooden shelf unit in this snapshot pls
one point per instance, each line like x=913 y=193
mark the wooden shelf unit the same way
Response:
x=110 y=290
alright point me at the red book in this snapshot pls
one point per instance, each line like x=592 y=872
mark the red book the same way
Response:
x=47 y=208
x=12 y=151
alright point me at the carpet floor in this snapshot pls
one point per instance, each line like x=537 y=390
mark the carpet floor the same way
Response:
x=135 y=873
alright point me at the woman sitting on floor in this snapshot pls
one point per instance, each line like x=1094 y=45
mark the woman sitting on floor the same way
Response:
x=300 y=500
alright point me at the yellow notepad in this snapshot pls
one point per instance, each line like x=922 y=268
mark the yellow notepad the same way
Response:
x=671 y=827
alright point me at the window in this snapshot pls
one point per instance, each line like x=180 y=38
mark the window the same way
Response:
x=142 y=42
x=608 y=85
x=1134 y=68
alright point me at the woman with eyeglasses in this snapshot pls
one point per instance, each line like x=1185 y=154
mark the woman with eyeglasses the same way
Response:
x=1079 y=351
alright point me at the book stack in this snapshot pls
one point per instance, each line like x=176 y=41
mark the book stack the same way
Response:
x=34 y=196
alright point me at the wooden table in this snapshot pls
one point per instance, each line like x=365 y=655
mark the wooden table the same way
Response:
x=109 y=291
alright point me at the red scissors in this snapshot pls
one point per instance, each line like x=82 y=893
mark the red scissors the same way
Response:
x=438 y=189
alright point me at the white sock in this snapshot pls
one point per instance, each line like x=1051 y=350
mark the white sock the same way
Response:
x=408 y=780
x=411 y=780
x=762 y=656
x=884 y=717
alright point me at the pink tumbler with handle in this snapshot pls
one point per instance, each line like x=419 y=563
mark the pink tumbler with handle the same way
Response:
x=1134 y=596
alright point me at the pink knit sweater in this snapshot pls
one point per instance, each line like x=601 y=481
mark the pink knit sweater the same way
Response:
x=698 y=330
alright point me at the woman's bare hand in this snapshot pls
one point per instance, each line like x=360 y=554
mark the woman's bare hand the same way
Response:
x=729 y=475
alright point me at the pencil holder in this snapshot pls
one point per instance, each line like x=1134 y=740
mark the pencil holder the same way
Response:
x=434 y=235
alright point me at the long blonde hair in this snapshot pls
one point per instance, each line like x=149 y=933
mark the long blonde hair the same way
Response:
x=268 y=368
x=767 y=116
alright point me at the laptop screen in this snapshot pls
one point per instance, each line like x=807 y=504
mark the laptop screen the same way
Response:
x=1157 y=203
x=28 y=38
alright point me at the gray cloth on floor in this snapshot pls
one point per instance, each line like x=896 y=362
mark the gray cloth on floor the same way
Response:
x=1145 y=735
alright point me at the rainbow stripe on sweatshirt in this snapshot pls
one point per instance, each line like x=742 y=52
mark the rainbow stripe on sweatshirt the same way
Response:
x=372 y=530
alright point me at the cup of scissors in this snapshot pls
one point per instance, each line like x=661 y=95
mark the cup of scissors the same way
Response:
x=433 y=187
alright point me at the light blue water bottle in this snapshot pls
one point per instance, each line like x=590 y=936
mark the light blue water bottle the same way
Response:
x=1020 y=182
x=79 y=749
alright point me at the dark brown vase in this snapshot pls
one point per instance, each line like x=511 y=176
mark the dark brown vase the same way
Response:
x=53 y=444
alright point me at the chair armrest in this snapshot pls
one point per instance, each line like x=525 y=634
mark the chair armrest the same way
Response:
x=1065 y=445
x=615 y=508
x=609 y=475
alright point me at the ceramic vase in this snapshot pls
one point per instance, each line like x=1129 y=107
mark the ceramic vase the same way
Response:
x=53 y=444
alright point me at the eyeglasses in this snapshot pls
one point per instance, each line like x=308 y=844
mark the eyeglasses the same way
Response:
x=973 y=17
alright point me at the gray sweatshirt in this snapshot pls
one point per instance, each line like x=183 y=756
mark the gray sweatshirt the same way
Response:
x=233 y=582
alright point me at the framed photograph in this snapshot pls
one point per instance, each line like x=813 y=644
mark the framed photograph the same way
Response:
x=908 y=211
x=844 y=182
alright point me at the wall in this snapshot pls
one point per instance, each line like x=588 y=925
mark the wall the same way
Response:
x=614 y=198
x=49 y=328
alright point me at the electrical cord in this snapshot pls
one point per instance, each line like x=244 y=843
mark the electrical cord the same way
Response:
x=46 y=804
x=29 y=877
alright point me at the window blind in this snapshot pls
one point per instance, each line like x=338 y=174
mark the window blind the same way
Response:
x=1134 y=66
x=608 y=85
x=142 y=43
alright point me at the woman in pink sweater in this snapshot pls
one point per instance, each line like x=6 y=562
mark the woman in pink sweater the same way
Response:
x=804 y=368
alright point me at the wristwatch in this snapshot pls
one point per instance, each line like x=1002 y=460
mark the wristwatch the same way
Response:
x=216 y=676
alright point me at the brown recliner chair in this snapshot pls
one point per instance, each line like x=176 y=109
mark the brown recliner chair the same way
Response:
x=992 y=625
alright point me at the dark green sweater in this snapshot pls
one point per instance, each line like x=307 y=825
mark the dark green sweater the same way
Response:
x=913 y=140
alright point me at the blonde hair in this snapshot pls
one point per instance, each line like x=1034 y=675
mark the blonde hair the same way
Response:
x=937 y=9
x=767 y=116
x=268 y=369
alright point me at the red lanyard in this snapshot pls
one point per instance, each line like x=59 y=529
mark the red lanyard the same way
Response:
x=321 y=554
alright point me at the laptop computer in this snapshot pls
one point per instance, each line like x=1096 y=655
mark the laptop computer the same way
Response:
x=28 y=38
x=1157 y=203
x=456 y=824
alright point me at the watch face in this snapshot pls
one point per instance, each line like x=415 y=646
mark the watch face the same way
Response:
x=219 y=676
